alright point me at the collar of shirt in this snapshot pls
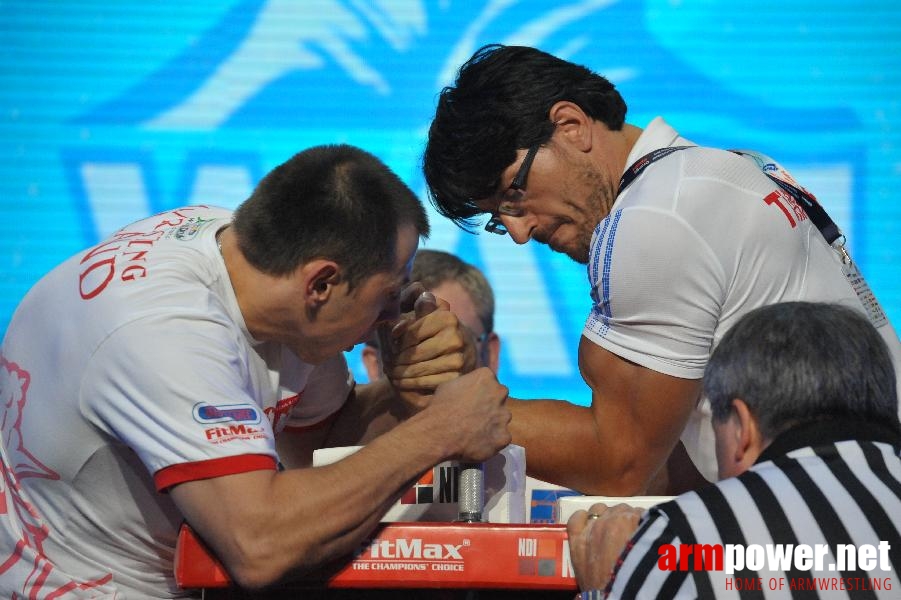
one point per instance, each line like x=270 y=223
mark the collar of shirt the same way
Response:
x=656 y=134
x=828 y=431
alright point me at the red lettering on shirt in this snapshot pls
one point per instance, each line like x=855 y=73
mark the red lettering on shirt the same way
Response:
x=281 y=409
x=788 y=205
x=103 y=262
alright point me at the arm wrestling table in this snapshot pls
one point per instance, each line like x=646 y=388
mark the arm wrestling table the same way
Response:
x=412 y=560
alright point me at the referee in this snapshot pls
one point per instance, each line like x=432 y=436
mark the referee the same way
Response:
x=809 y=498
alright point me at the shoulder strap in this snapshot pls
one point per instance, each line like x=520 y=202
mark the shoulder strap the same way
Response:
x=807 y=201
x=642 y=163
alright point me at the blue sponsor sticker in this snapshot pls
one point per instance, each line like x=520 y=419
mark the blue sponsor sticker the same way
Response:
x=543 y=504
x=236 y=413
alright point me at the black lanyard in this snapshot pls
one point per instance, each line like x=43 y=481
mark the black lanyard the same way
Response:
x=642 y=163
x=815 y=212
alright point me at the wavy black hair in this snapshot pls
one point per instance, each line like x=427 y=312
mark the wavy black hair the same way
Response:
x=498 y=105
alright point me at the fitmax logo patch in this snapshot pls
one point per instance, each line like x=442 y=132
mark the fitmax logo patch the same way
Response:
x=236 y=413
x=415 y=549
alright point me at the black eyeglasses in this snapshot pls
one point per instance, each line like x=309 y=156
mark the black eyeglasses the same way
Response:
x=513 y=195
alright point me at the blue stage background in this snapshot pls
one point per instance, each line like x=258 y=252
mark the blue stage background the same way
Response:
x=112 y=110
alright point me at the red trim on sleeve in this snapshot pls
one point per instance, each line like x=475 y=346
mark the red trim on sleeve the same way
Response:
x=215 y=467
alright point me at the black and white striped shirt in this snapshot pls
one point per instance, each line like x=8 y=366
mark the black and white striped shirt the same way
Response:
x=820 y=485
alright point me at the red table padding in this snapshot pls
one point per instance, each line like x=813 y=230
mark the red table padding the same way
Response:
x=421 y=555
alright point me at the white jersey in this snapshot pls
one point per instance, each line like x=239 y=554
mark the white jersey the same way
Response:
x=700 y=238
x=126 y=370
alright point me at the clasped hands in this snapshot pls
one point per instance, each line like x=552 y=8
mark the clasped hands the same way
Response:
x=425 y=347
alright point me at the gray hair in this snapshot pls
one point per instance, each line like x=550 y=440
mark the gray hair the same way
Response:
x=798 y=362
x=434 y=267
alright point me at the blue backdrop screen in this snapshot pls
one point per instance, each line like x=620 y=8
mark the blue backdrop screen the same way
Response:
x=110 y=111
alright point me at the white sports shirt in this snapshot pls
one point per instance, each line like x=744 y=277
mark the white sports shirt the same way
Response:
x=700 y=238
x=126 y=370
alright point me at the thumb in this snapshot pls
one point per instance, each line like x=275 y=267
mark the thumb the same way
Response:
x=425 y=304
x=409 y=295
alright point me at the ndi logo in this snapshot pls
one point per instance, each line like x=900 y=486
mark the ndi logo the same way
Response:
x=537 y=557
x=424 y=490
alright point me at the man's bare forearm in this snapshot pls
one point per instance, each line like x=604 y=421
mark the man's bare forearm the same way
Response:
x=565 y=446
x=371 y=410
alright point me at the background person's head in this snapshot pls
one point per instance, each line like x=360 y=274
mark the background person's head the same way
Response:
x=793 y=363
x=470 y=297
x=500 y=103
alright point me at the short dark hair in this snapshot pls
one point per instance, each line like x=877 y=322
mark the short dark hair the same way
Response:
x=500 y=103
x=798 y=362
x=333 y=201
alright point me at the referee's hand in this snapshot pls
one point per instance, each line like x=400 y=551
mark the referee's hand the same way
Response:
x=597 y=538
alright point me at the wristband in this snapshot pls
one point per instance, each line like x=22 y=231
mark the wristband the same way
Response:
x=590 y=595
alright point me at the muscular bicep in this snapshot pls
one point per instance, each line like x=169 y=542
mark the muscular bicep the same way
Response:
x=639 y=413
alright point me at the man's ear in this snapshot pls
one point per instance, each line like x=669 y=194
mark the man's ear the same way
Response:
x=492 y=350
x=319 y=279
x=572 y=124
x=750 y=441
x=372 y=362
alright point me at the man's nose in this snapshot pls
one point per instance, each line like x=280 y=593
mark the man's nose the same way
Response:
x=519 y=228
